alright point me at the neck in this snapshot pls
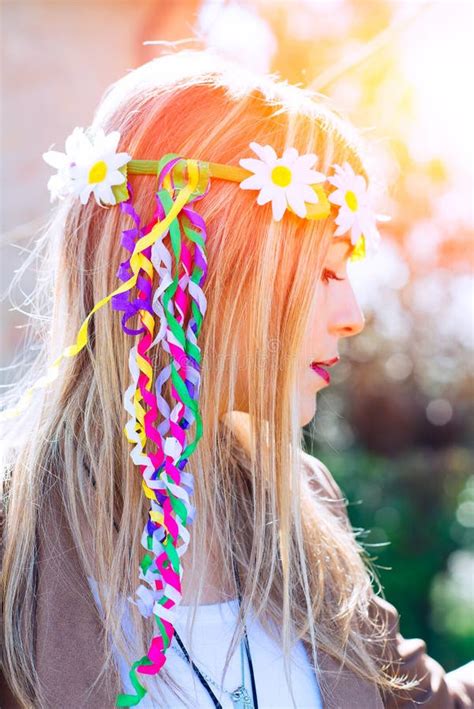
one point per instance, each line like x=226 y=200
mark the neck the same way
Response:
x=207 y=567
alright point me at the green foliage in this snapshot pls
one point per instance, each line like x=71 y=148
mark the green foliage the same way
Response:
x=418 y=527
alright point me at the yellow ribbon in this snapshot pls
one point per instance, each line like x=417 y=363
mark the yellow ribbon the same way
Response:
x=232 y=173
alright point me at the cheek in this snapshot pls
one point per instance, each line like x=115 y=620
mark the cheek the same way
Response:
x=314 y=329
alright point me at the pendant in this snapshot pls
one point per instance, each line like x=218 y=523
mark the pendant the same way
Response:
x=241 y=699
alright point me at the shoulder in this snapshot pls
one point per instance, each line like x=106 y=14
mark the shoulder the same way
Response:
x=321 y=481
x=318 y=471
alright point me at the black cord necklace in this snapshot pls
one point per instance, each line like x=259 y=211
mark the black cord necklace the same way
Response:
x=204 y=683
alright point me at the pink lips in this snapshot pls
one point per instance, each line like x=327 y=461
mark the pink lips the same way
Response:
x=322 y=372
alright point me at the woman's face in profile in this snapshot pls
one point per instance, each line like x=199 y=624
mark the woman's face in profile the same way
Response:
x=336 y=313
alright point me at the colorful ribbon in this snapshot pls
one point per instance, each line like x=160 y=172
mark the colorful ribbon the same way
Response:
x=178 y=298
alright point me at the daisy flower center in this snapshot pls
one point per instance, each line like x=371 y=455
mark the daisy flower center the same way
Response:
x=351 y=200
x=281 y=176
x=97 y=172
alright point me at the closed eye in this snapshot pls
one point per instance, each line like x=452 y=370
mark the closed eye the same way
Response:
x=330 y=276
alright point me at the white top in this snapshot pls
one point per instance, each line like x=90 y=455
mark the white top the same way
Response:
x=213 y=629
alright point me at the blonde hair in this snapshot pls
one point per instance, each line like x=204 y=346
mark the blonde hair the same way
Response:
x=309 y=578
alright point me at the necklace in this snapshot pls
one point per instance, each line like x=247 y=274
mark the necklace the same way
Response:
x=240 y=696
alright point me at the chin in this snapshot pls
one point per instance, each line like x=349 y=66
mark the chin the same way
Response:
x=307 y=412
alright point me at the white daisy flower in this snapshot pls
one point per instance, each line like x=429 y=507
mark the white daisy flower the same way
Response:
x=355 y=209
x=89 y=165
x=60 y=185
x=285 y=181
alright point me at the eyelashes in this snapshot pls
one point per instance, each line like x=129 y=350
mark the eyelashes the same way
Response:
x=330 y=276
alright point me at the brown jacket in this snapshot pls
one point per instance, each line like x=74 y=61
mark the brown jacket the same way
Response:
x=68 y=633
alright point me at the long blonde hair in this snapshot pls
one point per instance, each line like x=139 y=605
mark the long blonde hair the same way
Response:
x=308 y=577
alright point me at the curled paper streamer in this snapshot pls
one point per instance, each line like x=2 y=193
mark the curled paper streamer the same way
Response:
x=178 y=298
x=128 y=241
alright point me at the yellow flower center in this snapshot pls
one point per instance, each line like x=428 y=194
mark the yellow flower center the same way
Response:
x=281 y=176
x=351 y=200
x=97 y=172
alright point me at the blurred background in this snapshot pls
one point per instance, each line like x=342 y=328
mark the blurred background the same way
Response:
x=396 y=426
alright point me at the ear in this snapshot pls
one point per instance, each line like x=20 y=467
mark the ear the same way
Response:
x=239 y=423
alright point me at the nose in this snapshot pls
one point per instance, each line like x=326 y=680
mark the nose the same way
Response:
x=348 y=318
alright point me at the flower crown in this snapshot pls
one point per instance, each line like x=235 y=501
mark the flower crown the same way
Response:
x=91 y=165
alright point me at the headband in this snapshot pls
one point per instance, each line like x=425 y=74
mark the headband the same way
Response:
x=171 y=317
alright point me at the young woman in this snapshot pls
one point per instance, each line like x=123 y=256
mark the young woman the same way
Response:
x=258 y=593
